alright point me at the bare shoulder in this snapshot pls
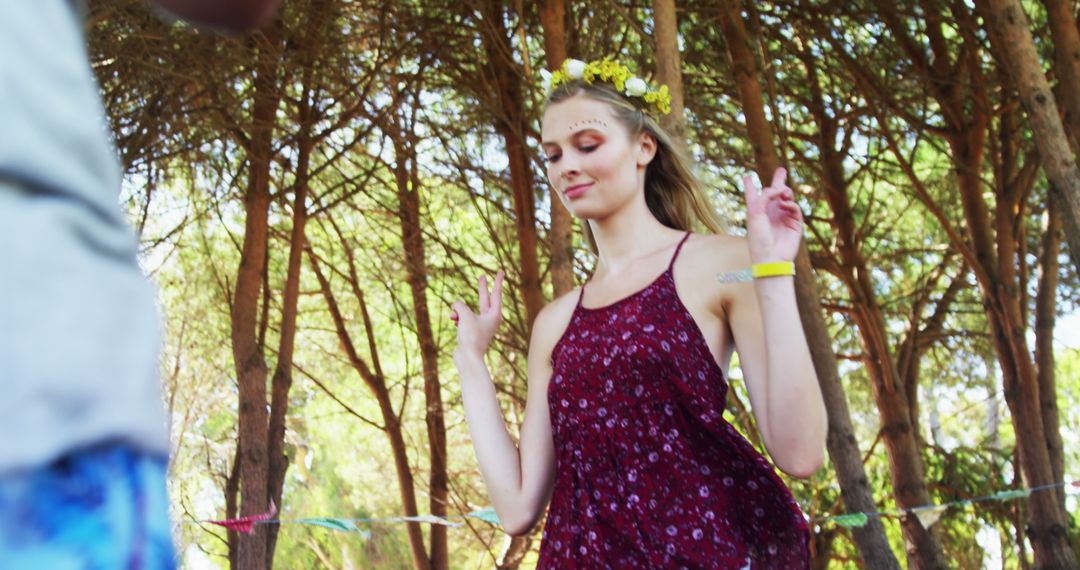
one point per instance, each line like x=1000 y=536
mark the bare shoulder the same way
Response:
x=717 y=253
x=705 y=259
x=551 y=322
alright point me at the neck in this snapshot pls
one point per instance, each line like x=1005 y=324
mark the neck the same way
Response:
x=628 y=235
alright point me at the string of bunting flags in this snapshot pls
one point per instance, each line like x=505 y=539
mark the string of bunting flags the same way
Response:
x=927 y=515
x=247 y=524
x=930 y=514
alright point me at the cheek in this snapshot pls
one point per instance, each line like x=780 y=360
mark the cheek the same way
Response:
x=603 y=162
x=554 y=172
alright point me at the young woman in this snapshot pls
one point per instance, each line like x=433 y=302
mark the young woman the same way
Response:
x=624 y=430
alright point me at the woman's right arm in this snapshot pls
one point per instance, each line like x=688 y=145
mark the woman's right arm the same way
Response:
x=519 y=477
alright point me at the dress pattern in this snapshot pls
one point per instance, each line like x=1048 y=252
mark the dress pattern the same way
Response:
x=648 y=472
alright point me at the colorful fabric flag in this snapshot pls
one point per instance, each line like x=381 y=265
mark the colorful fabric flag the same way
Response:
x=429 y=519
x=486 y=515
x=246 y=524
x=1010 y=495
x=928 y=515
x=852 y=520
x=343 y=525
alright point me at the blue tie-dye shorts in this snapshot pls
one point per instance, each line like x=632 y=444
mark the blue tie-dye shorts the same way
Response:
x=100 y=508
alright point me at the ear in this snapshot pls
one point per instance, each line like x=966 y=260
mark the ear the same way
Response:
x=646 y=149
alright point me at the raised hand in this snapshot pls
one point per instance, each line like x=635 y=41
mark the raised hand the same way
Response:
x=774 y=222
x=475 y=331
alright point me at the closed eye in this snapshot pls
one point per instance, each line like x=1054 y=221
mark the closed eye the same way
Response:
x=554 y=157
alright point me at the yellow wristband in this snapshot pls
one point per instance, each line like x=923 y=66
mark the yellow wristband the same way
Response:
x=774 y=269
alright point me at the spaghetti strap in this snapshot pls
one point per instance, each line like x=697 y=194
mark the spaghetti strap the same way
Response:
x=675 y=255
x=581 y=295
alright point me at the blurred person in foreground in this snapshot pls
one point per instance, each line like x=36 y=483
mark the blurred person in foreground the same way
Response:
x=83 y=436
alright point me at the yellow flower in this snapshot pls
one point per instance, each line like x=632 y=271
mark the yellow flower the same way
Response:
x=558 y=78
x=615 y=74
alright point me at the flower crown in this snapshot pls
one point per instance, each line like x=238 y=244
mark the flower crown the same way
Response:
x=613 y=73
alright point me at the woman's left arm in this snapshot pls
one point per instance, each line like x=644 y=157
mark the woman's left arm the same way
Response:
x=769 y=337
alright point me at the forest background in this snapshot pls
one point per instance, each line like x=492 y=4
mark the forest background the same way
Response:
x=310 y=198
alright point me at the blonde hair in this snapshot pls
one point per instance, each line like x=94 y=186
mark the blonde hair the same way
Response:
x=673 y=193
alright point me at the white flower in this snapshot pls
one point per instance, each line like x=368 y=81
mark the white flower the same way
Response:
x=636 y=87
x=545 y=80
x=575 y=68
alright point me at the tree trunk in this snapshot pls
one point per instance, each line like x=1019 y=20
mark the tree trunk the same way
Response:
x=822 y=548
x=910 y=352
x=281 y=382
x=842 y=446
x=898 y=433
x=510 y=123
x=1047 y=521
x=232 y=491
x=1011 y=37
x=553 y=15
x=375 y=381
x=993 y=263
x=841 y=443
x=515 y=552
x=669 y=63
x=251 y=369
x=1066 y=36
x=1045 y=315
x=408 y=191
x=748 y=82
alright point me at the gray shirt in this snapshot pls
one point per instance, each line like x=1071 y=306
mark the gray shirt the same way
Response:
x=79 y=332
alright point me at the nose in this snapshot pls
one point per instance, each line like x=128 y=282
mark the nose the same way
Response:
x=569 y=167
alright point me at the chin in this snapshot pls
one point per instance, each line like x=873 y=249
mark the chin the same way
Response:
x=585 y=212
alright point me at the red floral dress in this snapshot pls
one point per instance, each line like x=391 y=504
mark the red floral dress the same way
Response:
x=648 y=472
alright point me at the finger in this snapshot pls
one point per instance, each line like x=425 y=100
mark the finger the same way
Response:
x=485 y=297
x=790 y=207
x=780 y=200
x=496 y=302
x=773 y=193
x=461 y=310
x=779 y=177
x=750 y=189
x=790 y=212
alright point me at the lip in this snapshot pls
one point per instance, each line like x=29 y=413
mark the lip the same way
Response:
x=577 y=190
